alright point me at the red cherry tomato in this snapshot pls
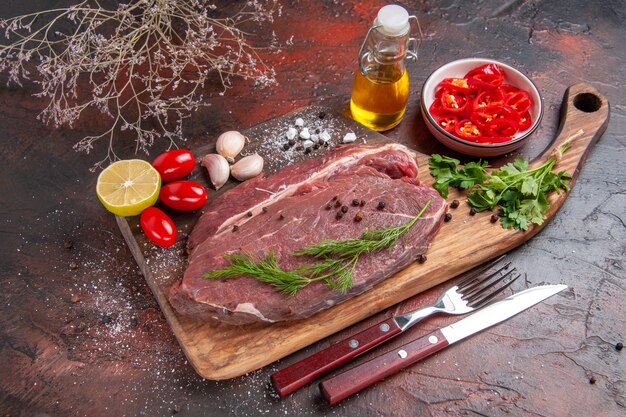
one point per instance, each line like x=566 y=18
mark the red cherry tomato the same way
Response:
x=183 y=195
x=174 y=164
x=158 y=227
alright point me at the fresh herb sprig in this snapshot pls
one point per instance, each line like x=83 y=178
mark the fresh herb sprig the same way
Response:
x=336 y=260
x=522 y=194
x=445 y=169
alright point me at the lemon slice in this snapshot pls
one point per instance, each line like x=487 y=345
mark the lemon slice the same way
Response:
x=128 y=187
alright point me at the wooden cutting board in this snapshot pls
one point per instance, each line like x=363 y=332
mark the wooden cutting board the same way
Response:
x=219 y=351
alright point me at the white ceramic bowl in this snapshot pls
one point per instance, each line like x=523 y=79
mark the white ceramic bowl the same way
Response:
x=457 y=69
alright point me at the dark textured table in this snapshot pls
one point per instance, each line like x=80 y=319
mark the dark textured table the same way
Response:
x=80 y=333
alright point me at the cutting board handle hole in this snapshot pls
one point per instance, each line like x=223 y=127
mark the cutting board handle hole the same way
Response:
x=587 y=102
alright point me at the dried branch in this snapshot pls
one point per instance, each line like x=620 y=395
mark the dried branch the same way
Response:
x=147 y=65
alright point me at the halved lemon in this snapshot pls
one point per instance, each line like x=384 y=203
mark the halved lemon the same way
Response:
x=128 y=187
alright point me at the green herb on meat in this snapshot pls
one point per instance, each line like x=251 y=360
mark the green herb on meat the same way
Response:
x=336 y=260
x=522 y=194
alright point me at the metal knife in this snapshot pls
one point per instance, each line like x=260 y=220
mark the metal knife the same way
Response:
x=354 y=380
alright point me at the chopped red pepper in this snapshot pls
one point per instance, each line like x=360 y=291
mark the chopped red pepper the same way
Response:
x=456 y=84
x=453 y=101
x=466 y=129
x=488 y=98
x=519 y=101
x=480 y=108
x=448 y=122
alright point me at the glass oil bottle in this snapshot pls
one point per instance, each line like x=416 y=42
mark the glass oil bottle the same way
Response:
x=381 y=86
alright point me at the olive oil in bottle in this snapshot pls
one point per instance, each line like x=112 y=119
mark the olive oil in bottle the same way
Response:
x=380 y=104
x=381 y=86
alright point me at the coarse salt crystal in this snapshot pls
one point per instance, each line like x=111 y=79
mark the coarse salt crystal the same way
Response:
x=304 y=133
x=349 y=137
x=314 y=137
x=299 y=122
x=291 y=133
x=325 y=136
x=307 y=143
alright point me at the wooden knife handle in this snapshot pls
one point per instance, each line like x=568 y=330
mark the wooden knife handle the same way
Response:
x=301 y=373
x=354 y=380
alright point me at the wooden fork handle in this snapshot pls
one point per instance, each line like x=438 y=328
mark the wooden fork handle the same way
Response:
x=354 y=380
x=301 y=373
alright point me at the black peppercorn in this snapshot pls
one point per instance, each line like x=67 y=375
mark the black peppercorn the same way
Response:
x=454 y=204
x=316 y=147
x=381 y=205
x=447 y=217
x=307 y=150
x=286 y=147
x=322 y=115
x=344 y=209
x=592 y=380
x=317 y=131
x=291 y=142
x=494 y=218
x=326 y=144
x=235 y=227
x=249 y=214
x=472 y=211
x=359 y=216
x=264 y=209
x=335 y=198
x=328 y=206
x=338 y=203
x=619 y=346
x=355 y=202
x=362 y=203
x=281 y=216
x=339 y=214
x=421 y=258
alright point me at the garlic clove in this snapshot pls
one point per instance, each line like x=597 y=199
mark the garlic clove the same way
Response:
x=218 y=169
x=229 y=144
x=247 y=167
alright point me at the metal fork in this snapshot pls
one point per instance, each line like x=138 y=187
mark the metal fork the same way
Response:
x=473 y=293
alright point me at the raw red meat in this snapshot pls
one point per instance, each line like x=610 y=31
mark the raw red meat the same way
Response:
x=295 y=201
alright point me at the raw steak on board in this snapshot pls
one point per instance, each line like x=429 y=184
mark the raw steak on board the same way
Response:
x=290 y=211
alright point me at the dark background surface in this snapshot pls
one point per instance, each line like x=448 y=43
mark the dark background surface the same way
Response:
x=80 y=333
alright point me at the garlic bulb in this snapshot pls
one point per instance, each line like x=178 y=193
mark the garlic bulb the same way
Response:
x=229 y=144
x=218 y=169
x=247 y=167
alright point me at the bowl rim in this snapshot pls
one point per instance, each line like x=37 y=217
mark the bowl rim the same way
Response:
x=482 y=61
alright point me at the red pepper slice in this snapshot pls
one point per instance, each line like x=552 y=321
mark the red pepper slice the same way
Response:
x=467 y=130
x=482 y=116
x=435 y=109
x=525 y=121
x=485 y=81
x=508 y=89
x=448 y=122
x=502 y=128
x=453 y=101
x=486 y=69
x=456 y=84
x=519 y=101
x=488 y=98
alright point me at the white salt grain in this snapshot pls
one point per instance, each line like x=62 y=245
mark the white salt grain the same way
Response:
x=291 y=133
x=325 y=136
x=349 y=137
x=307 y=143
x=304 y=133
x=299 y=122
